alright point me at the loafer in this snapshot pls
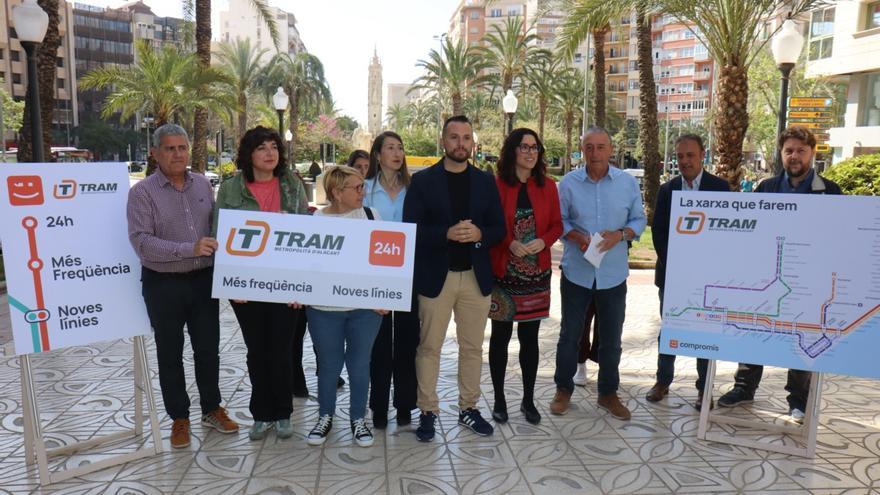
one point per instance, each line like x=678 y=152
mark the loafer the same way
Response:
x=499 y=412
x=530 y=412
x=657 y=392
x=559 y=404
x=612 y=404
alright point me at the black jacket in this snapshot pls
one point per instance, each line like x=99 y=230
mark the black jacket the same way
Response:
x=660 y=225
x=820 y=185
x=427 y=205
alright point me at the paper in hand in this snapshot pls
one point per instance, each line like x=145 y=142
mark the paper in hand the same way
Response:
x=592 y=254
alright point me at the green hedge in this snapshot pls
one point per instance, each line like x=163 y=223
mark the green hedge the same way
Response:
x=858 y=175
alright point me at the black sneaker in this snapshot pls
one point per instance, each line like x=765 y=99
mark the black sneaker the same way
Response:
x=425 y=431
x=473 y=420
x=319 y=433
x=361 y=432
x=735 y=396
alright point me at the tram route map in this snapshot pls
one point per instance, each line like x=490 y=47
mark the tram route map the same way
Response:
x=793 y=284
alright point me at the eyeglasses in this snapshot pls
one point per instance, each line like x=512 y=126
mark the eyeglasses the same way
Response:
x=525 y=148
x=358 y=188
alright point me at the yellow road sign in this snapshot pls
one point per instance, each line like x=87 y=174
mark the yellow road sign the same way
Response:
x=815 y=120
x=809 y=115
x=822 y=148
x=810 y=102
x=813 y=125
x=822 y=137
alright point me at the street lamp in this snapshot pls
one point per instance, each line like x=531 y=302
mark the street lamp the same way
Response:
x=280 y=100
x=786 y=47
x=148 y=121
x=31 y=23
x=509 y=103
x=288 y=136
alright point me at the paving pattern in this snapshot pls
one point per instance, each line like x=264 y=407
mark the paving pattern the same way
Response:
x=85 y=390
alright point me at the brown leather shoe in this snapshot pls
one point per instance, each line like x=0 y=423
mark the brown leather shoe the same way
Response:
x=180 y=433
x=612 y=404
x=220 y=421
x=559 y=404
x=657 y=393
x=698 y=405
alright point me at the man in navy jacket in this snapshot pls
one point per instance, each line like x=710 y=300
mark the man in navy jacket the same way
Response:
x=458 y=212
x=689 y=152
x=798 y=148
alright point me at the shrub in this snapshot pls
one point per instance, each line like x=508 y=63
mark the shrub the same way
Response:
x=859 y=175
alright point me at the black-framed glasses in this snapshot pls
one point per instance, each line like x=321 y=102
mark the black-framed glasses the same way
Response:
x=526 y=148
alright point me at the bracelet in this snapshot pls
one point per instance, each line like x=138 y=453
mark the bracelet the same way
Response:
x=623 y=235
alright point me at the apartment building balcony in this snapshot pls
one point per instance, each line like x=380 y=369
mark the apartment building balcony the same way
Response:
x=703 y=75
x=701 y=94
x=699 y=113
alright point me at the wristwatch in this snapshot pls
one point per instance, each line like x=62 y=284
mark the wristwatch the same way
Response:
x=623 y=234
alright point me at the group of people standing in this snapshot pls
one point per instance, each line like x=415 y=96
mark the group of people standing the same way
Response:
x=482 y=251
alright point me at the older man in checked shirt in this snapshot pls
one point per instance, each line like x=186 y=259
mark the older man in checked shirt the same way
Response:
x=169 y=224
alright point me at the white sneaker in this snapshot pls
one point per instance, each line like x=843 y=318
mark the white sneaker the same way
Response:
x=797 y=416
x=580 y=378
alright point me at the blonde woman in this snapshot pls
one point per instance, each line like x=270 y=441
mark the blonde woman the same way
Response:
x=343 y=335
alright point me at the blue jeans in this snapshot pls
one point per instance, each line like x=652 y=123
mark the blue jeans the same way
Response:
x=343 y=337
x=666 y=363
x=610 y=313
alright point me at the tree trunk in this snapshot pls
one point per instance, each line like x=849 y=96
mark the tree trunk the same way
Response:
x=731 y=122
x=566 y=161
x=203 y=54
x=242 y=117
x=649 y=128
x=457 y=103
x=293 y=121
x=542 y=114
x=599 y=77
x=47 y=66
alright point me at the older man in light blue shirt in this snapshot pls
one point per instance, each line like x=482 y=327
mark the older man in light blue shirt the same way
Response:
x=597 y=198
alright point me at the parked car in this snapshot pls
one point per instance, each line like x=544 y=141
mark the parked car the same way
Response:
x=213 y=177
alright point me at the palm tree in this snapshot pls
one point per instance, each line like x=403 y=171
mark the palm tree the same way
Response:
x=203 y=57
x=241 y=61
x=509 y=52
x=165 y=83
x=730 y=31
x=541 y=79
x=455 y=72
x=589 y=18
x=47 y=68
x=302 y=78
x=397 y=115
x=568 y=105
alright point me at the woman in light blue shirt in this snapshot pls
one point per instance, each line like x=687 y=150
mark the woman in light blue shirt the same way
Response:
x=394 y=351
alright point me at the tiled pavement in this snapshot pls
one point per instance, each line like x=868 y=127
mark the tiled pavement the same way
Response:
x=88 y=389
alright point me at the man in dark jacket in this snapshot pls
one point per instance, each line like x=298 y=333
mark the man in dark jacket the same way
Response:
x=689 y=152
x=458 y=212
x=798 y=147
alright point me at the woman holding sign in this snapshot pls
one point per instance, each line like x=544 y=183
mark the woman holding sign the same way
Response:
x=265 y=183
x=521 y=264
x=394 y=352
x=343 y=335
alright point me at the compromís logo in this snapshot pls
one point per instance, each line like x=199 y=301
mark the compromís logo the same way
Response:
x=673 y=344
x=25 y=190
x=691 y=224
x=248 y=241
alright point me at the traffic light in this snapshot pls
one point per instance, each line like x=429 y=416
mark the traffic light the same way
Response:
x=479 y=152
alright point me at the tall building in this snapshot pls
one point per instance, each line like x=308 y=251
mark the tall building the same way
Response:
x=241 y=21
x=683 y=71
x=398 y=94
x=13 y=71
x=374 y=96
x=844 y=45
x=472 y=20
x=102 y=38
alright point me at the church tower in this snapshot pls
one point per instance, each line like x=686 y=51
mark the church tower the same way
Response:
x=374 y=97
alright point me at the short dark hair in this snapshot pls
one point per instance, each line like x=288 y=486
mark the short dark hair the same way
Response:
x=355 y=155
x=800 y=133
x=251 y=140
x=506 y=167
x=691 y=137
x=376 y=149
x=462 y=119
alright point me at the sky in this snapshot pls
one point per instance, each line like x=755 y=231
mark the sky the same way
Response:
x=343 y=33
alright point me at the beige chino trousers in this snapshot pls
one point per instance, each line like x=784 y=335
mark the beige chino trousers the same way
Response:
x=460 y=295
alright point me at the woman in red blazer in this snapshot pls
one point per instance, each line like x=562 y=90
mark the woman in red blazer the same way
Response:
x=521 y=263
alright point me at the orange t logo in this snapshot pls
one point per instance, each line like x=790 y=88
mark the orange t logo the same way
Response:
x=245 y=238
